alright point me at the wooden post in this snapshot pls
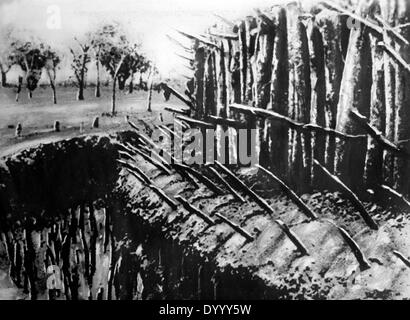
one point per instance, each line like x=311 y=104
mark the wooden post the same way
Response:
x=210 y=85
x=373 y=173
x=331 y=27
x=199 y=67
x=263 y=75
x=276 y=134
x=388 y=12
x=318 y=103
x=355 y=93
x=299 y=103
x=402 y=116
x=150 y=85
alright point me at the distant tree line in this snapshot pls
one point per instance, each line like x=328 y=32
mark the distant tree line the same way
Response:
x=107 y=47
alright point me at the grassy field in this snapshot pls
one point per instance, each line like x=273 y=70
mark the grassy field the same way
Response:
x=38 y=115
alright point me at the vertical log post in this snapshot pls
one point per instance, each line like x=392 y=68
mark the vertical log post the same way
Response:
x=355 y=93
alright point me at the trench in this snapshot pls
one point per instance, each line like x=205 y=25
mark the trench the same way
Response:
x=62 y=204
x=76 y=212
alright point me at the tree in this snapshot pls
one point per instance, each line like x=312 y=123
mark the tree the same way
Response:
x=30 y=58
x=97 y=41
x=113 y=60
x=81 y=59
x=137 y=63
x=150 y=83
x=52 y=62
x=5 y=63
x=120 y=58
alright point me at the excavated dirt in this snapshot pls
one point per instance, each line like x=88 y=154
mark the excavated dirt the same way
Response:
x=182 y=250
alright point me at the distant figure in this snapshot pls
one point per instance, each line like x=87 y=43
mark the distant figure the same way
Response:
x=19 y=128
x=57 y=126
x=96 y=122
x=161 y=118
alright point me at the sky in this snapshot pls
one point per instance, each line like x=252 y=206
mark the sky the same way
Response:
x=58 y=21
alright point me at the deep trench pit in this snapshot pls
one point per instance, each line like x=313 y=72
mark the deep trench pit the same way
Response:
x=61 y=205
x=70 y=204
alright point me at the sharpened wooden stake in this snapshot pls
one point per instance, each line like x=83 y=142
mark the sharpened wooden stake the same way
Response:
x=145 y=180
x=350 y=194
x=363 y=263
x=191 y=209
x=305 y=209
x=224 y=20
x=154 y=162
x=177 y=110
x=223 y=35
x=197 y=123
x=355 y=16
x=227 y=122
x=395 y=194
x=126 y=155
x=177 y=94
x=135 y=169
x=378 y=136
x=155 y=154
x=211 y=185
x=126 y=149
x=190 y=60
x=198 y=38
x=395 y=55
x=402 y=258
x=237 y=228
x=188 y=50
x=170 y=131
x=183 y=124
x=162 y=194
x=294 y=124
x=261 y=202
x=292 y=237
x=393 y=31
x=221 y=179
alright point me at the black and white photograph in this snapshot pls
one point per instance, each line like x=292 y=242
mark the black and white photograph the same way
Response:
x=193 y=150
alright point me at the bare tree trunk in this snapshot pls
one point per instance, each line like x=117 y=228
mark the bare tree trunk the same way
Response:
x=19 y=87
x=149 y=99
x=114 y=84
x=3 y=79
x=80 y=93
x=98 y=84
x=131 y=84
x=53 y=87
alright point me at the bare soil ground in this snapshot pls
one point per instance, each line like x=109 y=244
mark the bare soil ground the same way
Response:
x=38 y=115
